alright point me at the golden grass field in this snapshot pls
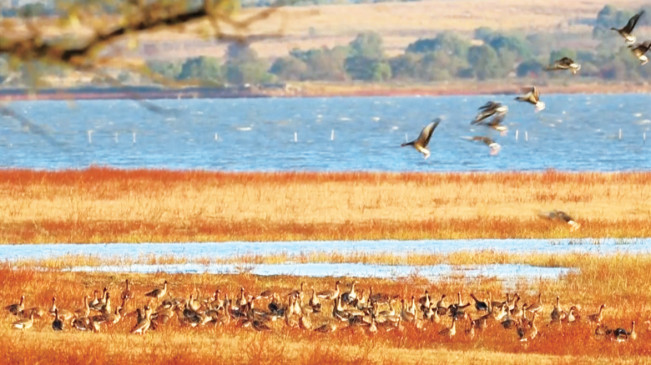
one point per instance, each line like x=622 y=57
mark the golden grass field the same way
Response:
x=621 y=282
x=107 y=205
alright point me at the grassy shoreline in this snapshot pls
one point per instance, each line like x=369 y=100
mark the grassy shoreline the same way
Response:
x=100 y=205
x=621 y=283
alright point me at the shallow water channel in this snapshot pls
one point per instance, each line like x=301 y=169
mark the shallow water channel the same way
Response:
x=197 y=257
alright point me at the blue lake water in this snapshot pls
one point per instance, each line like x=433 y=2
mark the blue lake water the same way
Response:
x=575 y=132
x=225 y=250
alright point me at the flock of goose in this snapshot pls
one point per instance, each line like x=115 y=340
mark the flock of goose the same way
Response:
x=532 y=96
x=321 y=311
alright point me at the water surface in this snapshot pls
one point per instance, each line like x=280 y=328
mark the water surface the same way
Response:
x=225 y=250
x=575 y=132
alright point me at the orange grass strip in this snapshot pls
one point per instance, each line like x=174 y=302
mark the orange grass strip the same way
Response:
x=110 y=205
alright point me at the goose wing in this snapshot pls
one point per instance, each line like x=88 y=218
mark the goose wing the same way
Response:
x=426 y=133
x=535 y=95
x=628 y=28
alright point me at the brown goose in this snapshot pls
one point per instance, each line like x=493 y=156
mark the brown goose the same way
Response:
x=627 y=31
x=491 y=108
x=16 y=308
x=532 y=97
x=57 y=324
x=25 y=323
x=622 y=335
x=564 y=63
x=158 y=293
x=314 y=302
x=420 y=143
x=330 y=294
x=144 y=323
x=529 y=332
x=597 y=317
x=349 y=296
x=640 y=50
x=492 y=145
x=126 y=293
x=536 y=307
x=557 y=313
x=450 y=332
x=479 y=305
x=559 y=215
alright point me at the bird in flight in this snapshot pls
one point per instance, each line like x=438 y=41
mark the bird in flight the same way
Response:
x=491 y=108
x=494 y=146
x=420 y=143
x=627 y=30
x=559 y=215
x=639 y=51
x=564 y=63
x=533 y=97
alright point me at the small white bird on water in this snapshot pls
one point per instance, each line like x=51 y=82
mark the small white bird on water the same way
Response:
x=420 y=143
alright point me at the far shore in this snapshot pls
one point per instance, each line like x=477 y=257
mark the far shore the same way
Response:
x=323 y=90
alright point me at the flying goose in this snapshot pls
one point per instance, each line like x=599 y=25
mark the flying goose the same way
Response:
x=494 y=146
x=564 y=63
x=533 y=97
x=559 y=215
x=639 y=51
x=420 y=143
x=489 y=109
x=627 y=30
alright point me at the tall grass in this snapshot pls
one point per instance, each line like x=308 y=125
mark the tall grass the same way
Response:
x=621 y=282
x=108 y=205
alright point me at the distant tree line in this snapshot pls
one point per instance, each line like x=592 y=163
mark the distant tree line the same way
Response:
x=487 y=54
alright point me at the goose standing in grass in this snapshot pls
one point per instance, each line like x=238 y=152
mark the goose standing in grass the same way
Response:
x=621 y=335
x=126 y=293
x=17 y=308
x=330 y=294
x=25 y=323
x=597 y=317
x=479 y=305
x=494 y=146
x=420 y=143
x=158 y=293
x=57 y=324
x=640 y=51
x=144 y=323
x=314 y=302
x=557 y=313
x=451 y=331
x=536 y=307
x=64 y=314
x=532 y=97
x=627 y=31
x=564 y=63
